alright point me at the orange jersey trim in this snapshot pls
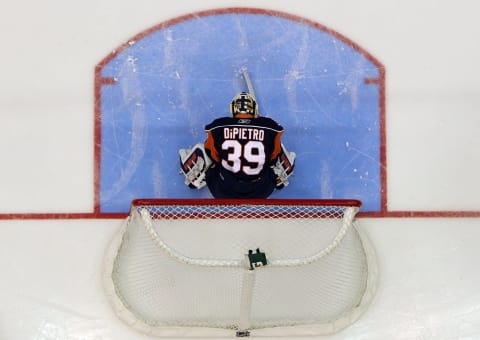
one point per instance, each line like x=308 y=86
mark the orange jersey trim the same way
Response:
x=210 y=145
x=277 y=146
x=244 y=115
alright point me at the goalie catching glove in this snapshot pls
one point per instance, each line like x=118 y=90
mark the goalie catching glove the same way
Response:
x=283 y=167
x=194 y=164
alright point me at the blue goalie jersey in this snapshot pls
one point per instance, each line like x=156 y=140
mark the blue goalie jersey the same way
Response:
x=243 y=150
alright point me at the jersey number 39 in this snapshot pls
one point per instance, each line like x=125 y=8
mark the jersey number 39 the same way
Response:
x=253 y=152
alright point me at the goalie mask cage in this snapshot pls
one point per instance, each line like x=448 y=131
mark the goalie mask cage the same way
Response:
x=216 y=268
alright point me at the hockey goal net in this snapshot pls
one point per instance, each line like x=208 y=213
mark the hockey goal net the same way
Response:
x=223 y=267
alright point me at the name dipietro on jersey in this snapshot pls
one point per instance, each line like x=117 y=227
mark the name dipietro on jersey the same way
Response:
x=243 y=133
x=244 y=147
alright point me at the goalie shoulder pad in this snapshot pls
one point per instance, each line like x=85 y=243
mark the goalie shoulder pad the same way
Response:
x=283 y=167
x=194 y=164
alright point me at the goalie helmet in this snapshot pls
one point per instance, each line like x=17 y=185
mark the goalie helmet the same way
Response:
x=244 y=103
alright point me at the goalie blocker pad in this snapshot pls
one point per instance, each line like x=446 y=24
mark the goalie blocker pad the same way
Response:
x=194 y=164
x=283 y=167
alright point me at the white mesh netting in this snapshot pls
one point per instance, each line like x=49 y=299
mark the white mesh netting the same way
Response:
x=182 y=268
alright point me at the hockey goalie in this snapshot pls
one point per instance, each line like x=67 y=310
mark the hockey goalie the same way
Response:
x=242 y=157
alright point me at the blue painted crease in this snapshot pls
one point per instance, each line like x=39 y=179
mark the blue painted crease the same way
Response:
x=174 y=81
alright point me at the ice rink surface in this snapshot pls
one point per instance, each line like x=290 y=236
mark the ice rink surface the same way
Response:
x=53 y=243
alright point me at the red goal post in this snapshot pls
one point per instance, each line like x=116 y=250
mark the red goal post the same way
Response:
x=212 y=267
x=326 y=208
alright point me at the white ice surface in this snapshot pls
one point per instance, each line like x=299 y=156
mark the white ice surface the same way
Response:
x=50 y=286
x=430 y=51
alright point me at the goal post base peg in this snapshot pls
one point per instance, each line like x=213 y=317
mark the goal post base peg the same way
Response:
x=242 y=334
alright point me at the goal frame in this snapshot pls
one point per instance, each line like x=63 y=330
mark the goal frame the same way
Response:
x=282 y=331
x=239 y=201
